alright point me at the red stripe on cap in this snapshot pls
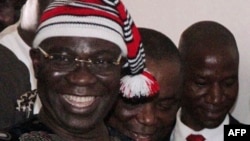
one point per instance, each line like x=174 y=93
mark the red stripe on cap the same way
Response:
x=67 y=10
x=134 y=45
x=154 y=87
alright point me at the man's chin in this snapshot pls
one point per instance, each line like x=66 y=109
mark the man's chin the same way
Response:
x=212 y=124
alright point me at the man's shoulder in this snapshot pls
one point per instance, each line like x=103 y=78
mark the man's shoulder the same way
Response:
x=233 y=120
x=14 y=81
x=28 y=129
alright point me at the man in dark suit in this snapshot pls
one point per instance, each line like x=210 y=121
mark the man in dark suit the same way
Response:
x=16 y=71
x=211 y=63
x=14 y=81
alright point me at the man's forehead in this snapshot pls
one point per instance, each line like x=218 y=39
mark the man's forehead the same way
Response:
x=207 y=52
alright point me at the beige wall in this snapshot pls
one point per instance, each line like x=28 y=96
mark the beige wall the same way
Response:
x=173 y=16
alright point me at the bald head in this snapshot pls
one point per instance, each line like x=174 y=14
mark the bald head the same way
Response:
x=207 y=35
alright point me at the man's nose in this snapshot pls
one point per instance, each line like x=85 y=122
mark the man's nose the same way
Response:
x=147 y=115
x=215 y=94
x=81 y=76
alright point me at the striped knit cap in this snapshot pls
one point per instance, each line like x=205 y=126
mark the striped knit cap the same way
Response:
x=104 y=19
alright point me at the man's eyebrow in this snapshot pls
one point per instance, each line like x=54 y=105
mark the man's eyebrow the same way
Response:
x=173 y=97
x=200 y=75
x=136 y=100
x=167 y=98
x=103 y=51
x=59 y=49
x=232 y=76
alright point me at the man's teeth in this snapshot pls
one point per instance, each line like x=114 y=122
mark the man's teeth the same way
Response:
x=140 y=137
x=79 y=101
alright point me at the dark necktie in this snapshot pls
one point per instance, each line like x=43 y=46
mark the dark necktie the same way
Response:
x=193 y=137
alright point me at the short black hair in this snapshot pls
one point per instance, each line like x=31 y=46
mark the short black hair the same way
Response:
x=158 y=46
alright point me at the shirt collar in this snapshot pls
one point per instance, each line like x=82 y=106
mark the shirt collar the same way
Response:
x=181 y=131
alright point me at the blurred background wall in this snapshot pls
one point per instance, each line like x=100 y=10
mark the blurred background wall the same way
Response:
x=171 y=17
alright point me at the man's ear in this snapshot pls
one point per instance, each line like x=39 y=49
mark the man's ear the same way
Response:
x=36 y=58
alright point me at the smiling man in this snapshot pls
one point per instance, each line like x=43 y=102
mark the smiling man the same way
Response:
x=211 y=64
x=78 y=55
x=152 y=119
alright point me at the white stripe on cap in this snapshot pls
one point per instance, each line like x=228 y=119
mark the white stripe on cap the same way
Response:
x=68 y=25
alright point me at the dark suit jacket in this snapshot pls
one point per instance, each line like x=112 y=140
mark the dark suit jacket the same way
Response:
x=35 y=129
x=232 y=120
x=14 y=81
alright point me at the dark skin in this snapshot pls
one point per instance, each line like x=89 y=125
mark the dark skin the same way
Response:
x=211 y=81
x=153 y=119
x=9 y=12
x=75 y=102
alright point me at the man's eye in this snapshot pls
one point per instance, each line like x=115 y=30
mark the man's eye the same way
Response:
x=131 y=103
x=200 y=83
x=100 y=61
x=103 y=61
x=62 y=59
x=229 y=82
x=165 y=106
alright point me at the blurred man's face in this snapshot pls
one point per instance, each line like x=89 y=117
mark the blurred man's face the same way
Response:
x=151 y=119
x=9 y=12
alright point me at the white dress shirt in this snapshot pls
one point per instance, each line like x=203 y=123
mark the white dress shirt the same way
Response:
x=181 y=131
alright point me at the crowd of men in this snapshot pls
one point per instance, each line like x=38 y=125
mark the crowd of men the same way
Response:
x=76 y=70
